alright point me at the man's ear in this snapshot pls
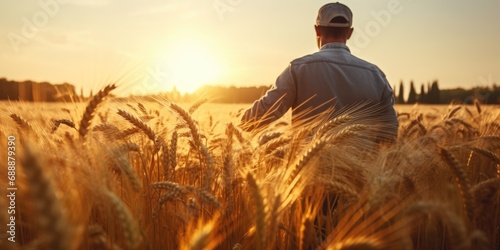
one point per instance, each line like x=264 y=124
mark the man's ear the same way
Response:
x=349 y=33
x=318 y=31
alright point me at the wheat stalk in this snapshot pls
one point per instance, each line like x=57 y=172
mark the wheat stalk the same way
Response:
x=52 y=221
x=260 y=215
x=127 y=132
x=62 y=121
x=99 y=239
x=23 y=124
x=173 y=151
x=183 y=190
x=164 y=199
x=485 y=193
x=123 y=164
x=130 y=228
x=365 y=243
x=462 y=181
x=209 y=171
x=190 y=122
x=91 y=108
x=492 y=156
x=407 y=134
x=478 y=106
x=164 y=158
x=227 y=170
x=307 y=232
x=342 y=190
x=454 y=111
x=138 y=123
x=265 y=138
x=306 y=157
x=331 y=124
x=142 y=109
x=196 y=105
x=107 y=128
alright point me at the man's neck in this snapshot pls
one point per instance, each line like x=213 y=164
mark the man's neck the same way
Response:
x=325 y=41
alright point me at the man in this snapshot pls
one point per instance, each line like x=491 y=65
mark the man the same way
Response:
x=331 y=77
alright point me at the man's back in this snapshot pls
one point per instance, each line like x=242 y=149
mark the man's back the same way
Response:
x=336 y=77
x=329 y=78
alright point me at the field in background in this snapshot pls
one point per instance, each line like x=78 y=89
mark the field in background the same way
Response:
x=129 y=175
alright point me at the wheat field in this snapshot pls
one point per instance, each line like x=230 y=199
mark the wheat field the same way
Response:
x=129 y=174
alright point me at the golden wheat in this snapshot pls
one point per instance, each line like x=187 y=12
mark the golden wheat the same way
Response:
x=205 y=184
x=91 y=108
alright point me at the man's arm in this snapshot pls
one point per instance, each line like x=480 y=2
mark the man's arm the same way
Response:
x=274 y=104
x=389 y=110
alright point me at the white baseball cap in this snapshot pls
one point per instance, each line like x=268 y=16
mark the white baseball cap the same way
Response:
x=332 y=10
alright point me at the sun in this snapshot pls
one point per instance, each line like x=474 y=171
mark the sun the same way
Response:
x=190 y=66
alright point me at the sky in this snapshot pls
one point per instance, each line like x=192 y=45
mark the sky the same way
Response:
x=153 y=45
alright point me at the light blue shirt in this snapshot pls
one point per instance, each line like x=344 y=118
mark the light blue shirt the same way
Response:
x=330 y=77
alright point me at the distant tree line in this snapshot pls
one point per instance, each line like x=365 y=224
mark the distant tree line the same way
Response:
x=220 y=94
x=429 y=93
x=432 y=94
x=36 y=92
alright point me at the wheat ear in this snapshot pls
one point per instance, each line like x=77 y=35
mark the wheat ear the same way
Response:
x=177 y=189
x=196 y=105
x=492 y=156
x=331 y=124
x=456 y=229
x=478 y=106
x=260 y=215
x=190 y=122
x=120 y=159
x=173 y=151
x=142 y=109
x=462 y=181
x=365 y=243
x=209 y=171
x=99 y=239
x=51 y=218
x=138 y=123
x=23 y=124
x=454 y=111
x=91 y=108
x=343 y=190
x=306 y=157
x=201 y=238
x=66 y=122
x=227 y=170
x=130 y=228
x=485 y=192
x=164 y=158
x=127 y=132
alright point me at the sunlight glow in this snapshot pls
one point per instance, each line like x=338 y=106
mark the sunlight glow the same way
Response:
x=191 y=65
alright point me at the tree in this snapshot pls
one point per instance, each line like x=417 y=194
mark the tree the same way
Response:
x=434 y=93
x=423 y=96
x=401 y=96
x=412 y=97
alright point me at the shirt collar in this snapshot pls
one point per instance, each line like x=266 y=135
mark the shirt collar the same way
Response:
x=335 y=46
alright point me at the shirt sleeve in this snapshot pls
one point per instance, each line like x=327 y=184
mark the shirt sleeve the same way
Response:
x=390 y=114
x=274 y=104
